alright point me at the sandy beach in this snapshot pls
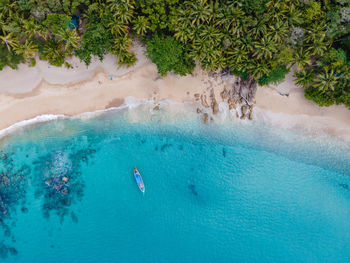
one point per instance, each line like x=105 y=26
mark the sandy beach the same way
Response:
x=33 y=91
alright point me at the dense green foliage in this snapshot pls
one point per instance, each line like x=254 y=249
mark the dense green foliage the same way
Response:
x=169 y=55
x=259 y=39
x=274 y=76
x=9 y=58
x=97 y=39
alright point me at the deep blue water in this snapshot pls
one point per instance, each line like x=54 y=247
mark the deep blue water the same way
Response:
x=214 y=193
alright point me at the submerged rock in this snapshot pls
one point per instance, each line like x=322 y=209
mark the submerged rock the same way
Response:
x=244 y=109
x=164 y=146
x=204 y=101
x=74 y=217
x=231 y=106
x=59 y=181
x=5 y=179
x=224 y=94
x=192 y=187
x=4 y=156
x=215 y=107
x=196 y=96
x=345 y=186
x=65 y=179
x=205 y=117
x=251 y=112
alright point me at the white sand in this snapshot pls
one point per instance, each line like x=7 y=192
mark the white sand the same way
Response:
x=25 y=78
x=29 y=92
x=295 y=112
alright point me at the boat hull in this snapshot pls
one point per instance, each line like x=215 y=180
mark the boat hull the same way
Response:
x=139 y=180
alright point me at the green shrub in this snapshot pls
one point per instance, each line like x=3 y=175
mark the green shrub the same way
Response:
x=169 y=55
x=243 y=75
x=97 y=39
x=274 y=77
x=52 y=52
x=55 y=22
x=9 y=58
x=254 y=6
x=319 y=97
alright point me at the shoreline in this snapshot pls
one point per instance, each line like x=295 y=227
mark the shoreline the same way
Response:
x=99 y=92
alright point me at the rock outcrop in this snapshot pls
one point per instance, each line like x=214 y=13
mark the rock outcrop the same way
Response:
x=239 y=95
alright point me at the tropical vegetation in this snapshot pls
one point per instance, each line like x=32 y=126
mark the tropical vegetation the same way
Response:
x=258 y=39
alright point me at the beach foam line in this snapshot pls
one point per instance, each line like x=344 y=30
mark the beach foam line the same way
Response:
x=129 y=103
x=310 y=125
x=25 y=123
x=316 y=125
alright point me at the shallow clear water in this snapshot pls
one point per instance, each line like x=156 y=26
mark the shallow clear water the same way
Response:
x=224 y=193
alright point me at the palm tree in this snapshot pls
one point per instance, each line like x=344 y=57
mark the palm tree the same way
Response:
x=96 y=8
x=258 y=69
x=278 y=32
x=69 y=37
x=318 y=47
x=117 y=5
x=6 y=7
x=141 y=24
x=238 y=55
x=316 y=32
x=2 y=23
x=27 y=50
x=199 y=11
x=42 y=31
x=212 y=60
x=220 y=61
x=122 y=9
x=9 y=40
x=302 y=58
x=127 y=58
x=265 y=48
x=118 y=27
x=29 y=27
x=183 y=33
x=305 y=78
x=245 y=43
x=53 y=52
x=124 y=15
x=230 y=16
x=295 y=16
x=258 y=27
x=121 y=45
x=210 y=34
x=200 y=49
x=326 y=80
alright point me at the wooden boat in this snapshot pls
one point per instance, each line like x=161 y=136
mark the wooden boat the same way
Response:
x=139 y=180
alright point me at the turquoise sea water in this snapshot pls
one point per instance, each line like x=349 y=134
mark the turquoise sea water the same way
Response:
x=214 y=193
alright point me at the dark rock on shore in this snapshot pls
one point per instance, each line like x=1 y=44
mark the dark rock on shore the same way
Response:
x=205 y=117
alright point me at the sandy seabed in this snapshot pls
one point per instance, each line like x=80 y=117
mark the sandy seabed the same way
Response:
x=29 y=92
